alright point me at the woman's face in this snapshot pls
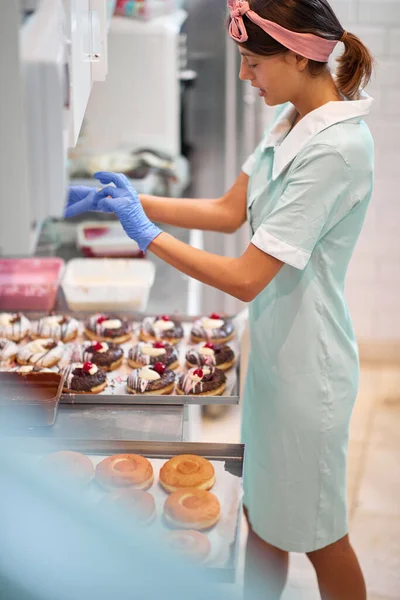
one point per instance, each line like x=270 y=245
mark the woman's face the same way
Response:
x=279 y=78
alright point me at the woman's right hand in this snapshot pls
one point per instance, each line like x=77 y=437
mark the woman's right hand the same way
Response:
x=80 y=199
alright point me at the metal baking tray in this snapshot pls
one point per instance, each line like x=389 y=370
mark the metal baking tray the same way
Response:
x=233 y=386
x=231 y=457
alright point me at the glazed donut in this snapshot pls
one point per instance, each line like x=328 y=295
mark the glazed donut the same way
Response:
x=14 y=326
x=192 y=509
x=104 y=328
x=8 y=350
x=214 y=329
x=84 y=378
x=130 y=500
x=150 y=353
x=204 y=381
x=74 y=465
x=211 y=355
x=57 y=327
x=187 y=471
x=124 y=471
x=107 y=356
x=42 y=353
x=189 y=543
x=161 y=328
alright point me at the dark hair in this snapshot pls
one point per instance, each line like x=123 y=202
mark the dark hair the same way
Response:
x=317 y=17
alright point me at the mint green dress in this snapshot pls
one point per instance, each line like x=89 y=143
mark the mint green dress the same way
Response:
x=308 y=194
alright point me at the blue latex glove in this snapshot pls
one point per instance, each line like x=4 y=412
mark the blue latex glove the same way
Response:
x=80 y=200
x=125 y=203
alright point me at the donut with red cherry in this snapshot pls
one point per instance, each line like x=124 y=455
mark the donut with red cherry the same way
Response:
x=107 y=328
x=106 y=355
x=163 y=328
x=211 y=355
x=215 y=328
x=150 y=353
x=205 y=381
x=84 y=378
x=152 y=380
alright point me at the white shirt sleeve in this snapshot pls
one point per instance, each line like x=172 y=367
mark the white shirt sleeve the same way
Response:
x=248 y=166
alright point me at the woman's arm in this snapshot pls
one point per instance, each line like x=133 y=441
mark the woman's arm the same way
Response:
x=225 y=214
x=244 y=277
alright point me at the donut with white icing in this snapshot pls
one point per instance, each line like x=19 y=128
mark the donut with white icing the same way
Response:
x=84 y=378
x=106 y=328
x=14 y=326
x=105 y=355
x=205 y=381
x=8 y=350
x=41 y=353
x=149 y=353
x=211 y=355
x=57 y=327
x=214 y=328
x=163 y=328
x=155 y=380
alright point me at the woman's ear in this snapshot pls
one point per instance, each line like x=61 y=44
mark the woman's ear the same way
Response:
x=297 y=61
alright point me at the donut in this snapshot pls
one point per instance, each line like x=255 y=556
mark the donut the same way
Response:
x=108 y=356
x=190 y=544
x=154 y=380
x=42 y=353
x=31 y=370
x=74 y=465
x=125 y=471
x=150 y=353
x=57 y=327
x=84 y=378
x=187 y=471
x=162 y=328
x=8 y=350
x=205 y=381
x=211 y=355
x=104 y=328
x=131 y=501
x=14 y=326
x=192 y=509
x=212 y=329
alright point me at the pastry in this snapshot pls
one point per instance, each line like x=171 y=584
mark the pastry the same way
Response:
x=131 y=501
x=211 y=355
x=161 y=328
x=214 y=329
x=150 y=353
x=187 y=471
x=103 y=328
x=125 y=471
x=108 y=356
x=14 y=326
x=155 y=380
x=192 y=509
x=207 y=381
x=42 y=353
x=8 y=350
x=84 y=378
x=72 y=464
x=31 y=370
x=57 y=327
x=189 y=544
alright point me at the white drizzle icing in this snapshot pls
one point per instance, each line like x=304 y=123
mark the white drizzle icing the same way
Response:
x=7 y=349
x=17 y=330
x=36 y=352
x=56 y=327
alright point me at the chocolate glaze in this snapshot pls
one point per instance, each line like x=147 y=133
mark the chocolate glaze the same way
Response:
x=170 y=356
x=213 y=334
x=209 y=383
x=99 y=330
x=151 y=386
x=102 y=359
x=223 y=354
x=169 y=334
x=79 y=380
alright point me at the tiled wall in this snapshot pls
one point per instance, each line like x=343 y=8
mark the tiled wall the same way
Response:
x=373 y=288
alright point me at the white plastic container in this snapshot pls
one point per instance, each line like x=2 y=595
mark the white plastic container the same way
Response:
x=106 y=239
x=108 y=284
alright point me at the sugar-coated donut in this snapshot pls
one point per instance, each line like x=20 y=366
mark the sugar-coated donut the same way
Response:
x=125 y=470
x=131 y=501
x=189 y=543
x=42 y=353
x=57 y=327
x=192 y=509
x=74 y=465
x=14 y=326
x=187 y=471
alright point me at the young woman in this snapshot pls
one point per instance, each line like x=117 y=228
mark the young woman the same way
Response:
x=305 y=192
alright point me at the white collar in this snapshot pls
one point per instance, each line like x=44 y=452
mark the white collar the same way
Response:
x=316 y=121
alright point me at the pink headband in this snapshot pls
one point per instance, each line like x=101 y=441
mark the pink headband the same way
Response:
x=306 y=44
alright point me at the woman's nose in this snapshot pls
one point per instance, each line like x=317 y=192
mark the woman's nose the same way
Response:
x=245 y=74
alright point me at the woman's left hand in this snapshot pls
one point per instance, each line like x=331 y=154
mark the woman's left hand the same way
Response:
x=124 y=201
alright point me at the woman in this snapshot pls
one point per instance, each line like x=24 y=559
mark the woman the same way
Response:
x=305 y=192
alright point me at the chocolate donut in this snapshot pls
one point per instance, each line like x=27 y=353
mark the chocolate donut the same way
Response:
x=84 y=378
x=150 y=353
x=104 y=328
x=206 y=381
x=108 y=356
x=211 y=355
x=214 y=329
x=154 y=380
x=161 y=328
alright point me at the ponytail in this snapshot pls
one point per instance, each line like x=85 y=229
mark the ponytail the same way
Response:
x=355 y=66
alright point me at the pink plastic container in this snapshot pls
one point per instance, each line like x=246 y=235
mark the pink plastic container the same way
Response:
x=29 y=283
